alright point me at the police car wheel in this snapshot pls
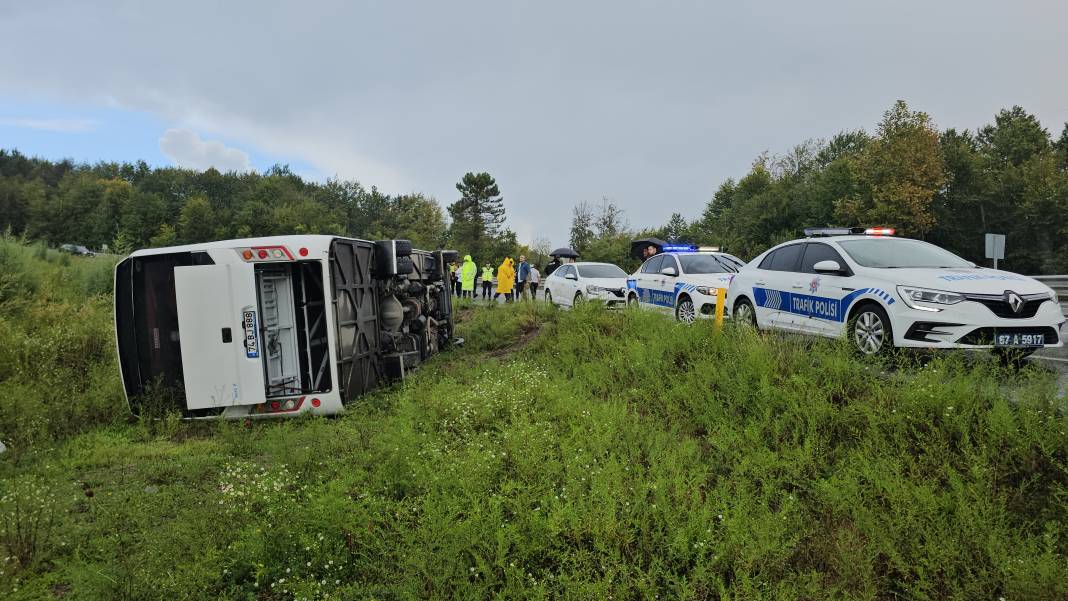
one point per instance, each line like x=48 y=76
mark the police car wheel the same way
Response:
x=684 y=310
x=870 y=330
x=632 y=300
x=744 y=314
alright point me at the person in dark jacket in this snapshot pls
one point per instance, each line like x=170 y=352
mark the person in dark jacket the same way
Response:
x=551 y=266
x=522 y=274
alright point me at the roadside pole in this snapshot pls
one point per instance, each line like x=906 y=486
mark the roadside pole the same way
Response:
x=721 y=299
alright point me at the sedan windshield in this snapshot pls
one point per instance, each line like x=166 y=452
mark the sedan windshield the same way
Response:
x=705 y=264
x=899 y=253
x=601 y=271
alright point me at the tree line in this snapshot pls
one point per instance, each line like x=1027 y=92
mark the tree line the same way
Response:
x=948 y=187
x=125 y=206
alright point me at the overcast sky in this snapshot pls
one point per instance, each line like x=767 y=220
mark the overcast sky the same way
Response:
x=652 y=104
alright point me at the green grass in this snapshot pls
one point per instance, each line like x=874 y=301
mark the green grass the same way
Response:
x=58 y=373
x=572 y=454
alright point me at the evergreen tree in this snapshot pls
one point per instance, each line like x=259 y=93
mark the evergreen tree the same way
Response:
x=478 y=216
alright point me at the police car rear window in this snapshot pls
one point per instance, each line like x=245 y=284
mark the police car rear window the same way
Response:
x=890 y=253
x=783 y=259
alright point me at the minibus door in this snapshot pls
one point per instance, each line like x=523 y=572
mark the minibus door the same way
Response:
x=218 y=324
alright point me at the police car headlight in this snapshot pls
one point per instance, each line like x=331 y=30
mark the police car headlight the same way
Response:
x=1053 y=296
x=918 y=298
x=591 y=289
x=705 y=290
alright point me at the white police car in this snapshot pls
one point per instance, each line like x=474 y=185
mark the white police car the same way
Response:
x=888 y=292
x=682 y=279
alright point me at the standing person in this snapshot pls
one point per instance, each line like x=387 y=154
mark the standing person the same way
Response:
x=505 y=279
x=521 y=276
x=551 y=267
x=468 y=272
x=487 y=280
x=456 y=280
x=451 y=274
x=535 y=279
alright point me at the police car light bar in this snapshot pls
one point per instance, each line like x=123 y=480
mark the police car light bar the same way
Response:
x=708 y=249
x=678 y=248
x=811 y=232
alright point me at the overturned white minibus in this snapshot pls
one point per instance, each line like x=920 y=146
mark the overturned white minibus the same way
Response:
x=276 y=326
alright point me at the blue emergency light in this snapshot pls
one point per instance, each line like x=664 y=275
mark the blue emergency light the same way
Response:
x=678 y=248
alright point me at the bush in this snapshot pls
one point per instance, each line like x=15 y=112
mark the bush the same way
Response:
x=58 y=373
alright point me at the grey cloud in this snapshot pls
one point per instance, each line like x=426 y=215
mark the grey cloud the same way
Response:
x=186 y=149
x=653 y=104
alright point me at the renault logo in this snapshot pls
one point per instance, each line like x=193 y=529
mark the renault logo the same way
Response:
x=1015 y=302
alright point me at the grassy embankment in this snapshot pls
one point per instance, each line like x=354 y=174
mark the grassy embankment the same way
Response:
x=609 y=455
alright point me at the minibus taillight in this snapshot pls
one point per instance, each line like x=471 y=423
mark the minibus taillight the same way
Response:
x=266 y=253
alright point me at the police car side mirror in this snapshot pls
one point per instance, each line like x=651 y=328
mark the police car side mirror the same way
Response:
x=827 y=267
x=571 y=276
x=670 y=271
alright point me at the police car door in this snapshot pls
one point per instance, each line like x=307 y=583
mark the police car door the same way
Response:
x=665 y=284
x=779 y=271
x=818 y=304
x=646 y=280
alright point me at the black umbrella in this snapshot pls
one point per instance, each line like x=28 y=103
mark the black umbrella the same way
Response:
x=638 y=246
x=564 y=252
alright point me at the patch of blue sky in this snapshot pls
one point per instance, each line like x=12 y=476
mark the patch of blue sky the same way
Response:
x=90 y=133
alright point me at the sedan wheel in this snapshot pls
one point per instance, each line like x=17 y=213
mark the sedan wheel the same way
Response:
x=871 y=331
x=744 y=314
x=685 y=311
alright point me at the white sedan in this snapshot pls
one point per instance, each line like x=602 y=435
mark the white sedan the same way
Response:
x=576 y=282
x=884 y=292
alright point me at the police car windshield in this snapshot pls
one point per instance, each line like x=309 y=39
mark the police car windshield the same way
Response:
x=893 y=253
x=601 y=271
x=704 y=264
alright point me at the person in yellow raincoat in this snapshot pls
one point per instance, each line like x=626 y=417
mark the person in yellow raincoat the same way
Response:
x=468 y=271
x=505 y=279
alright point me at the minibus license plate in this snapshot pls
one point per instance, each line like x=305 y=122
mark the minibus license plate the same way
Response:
x=252 y=347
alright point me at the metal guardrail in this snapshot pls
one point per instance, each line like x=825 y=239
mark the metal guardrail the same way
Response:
x=1059 y=283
